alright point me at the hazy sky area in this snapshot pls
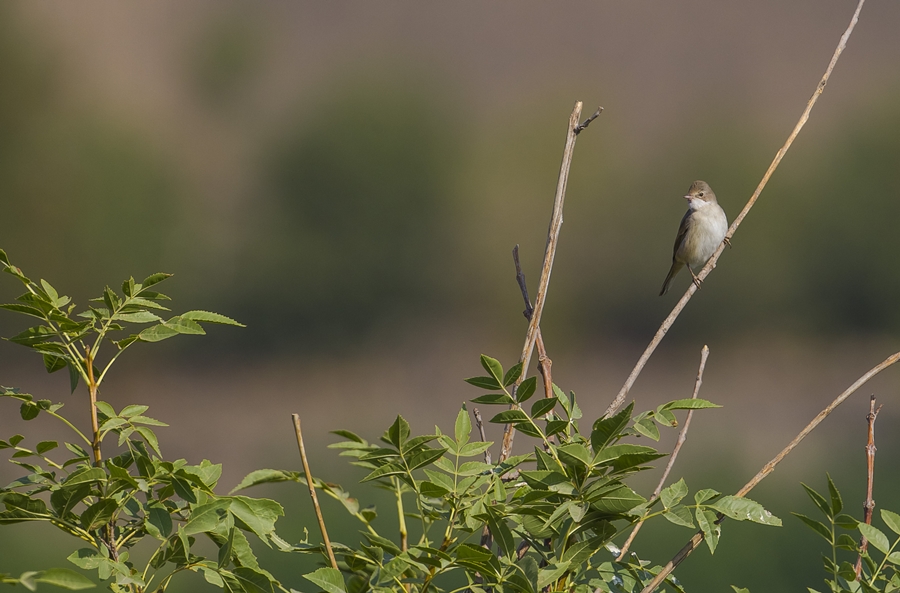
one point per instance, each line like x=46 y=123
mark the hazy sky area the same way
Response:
x=349 y=178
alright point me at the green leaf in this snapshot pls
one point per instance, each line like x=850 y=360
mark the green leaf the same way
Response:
x=252 y=581
x=689 y=404
x=150 y=437
x=329 y=579
x=740 y=589
x=183 y=325
x=22 y=308
x=154 y=279
x=543 y=406
x=157 y=333
x=33 y=335
x=819 y=500
x=704 y=495
x=679 y=515
x=86 y=558
x=265 y=476
x=98 y=514
x=666 y=418
x=574 y=454
x=63 y=577
x=463 y=427
x=606 y=430
x=706 y=519
x=424 y=457
x=512 y=375
x=45 y=446
x=494 y=399
x=744 y=509
x=892 y=520
x=548 y=575
x=673 y=494
x=206 y=517
x=509 y=417
x=158 y=519
x=259 y=514
x=526 y=389
x=475 y=448
x=137 y=317
x=484 y=382
x=816 y=526
x=501 y=532
x=224 y=556
x=648 y=428
x=493 y=368
x=208 y=317
x=617 y=498
x=875 y=537
x=398 y=433
x=836 y=503
x=54 y=363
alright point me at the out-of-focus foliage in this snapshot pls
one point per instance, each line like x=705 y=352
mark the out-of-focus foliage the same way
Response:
x=384 y=198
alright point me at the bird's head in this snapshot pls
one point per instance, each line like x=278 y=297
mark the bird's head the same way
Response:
x=700 y=195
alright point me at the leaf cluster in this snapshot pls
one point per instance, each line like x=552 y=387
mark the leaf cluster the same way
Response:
x=537 y=522
x=882 y=576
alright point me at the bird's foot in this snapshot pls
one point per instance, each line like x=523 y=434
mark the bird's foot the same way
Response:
x=727 y=241
x=697 y=281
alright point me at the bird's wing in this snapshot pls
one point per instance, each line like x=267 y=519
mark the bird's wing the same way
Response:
x=683 y=228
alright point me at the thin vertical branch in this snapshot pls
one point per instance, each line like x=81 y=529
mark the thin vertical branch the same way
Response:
x=544 y=362
x=770 y=467
x=556 y=221
x=312 y=491
x=692 y=288
x=682 y=437
x=869 y=504
x=479 y=423
x=92 y=389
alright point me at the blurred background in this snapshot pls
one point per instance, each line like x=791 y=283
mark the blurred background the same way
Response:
x=349 y=178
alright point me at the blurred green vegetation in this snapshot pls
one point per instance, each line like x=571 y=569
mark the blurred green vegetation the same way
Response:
x=388 y=202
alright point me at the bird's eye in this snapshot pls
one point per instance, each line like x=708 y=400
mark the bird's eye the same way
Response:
x=700 y=194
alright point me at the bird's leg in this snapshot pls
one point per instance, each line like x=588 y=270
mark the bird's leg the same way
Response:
x=727 y=241
x=697 y=280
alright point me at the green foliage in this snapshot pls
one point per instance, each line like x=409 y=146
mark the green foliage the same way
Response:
x=111 y=504
x=542 y=521
x=881 y=576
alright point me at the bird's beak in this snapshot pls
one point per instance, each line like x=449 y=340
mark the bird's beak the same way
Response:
x=688 y=197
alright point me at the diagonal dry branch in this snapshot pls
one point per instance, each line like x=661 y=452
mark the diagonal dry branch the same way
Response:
x=556 y=220
x=770 y=467
x=682 y=437
x=692 y=288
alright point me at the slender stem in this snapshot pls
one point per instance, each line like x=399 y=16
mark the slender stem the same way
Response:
x=92 y=389
x=556 y=220
x=770 y=467
x=312 y=491
x=682 y=436
x=692 y=288
x=479 y=423
x=544 y=362
x=869 y=504
x=401 y=517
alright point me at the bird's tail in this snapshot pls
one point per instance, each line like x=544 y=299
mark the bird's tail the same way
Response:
x=676 y=267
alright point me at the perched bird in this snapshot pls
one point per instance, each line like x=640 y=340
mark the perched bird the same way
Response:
x=702 y=229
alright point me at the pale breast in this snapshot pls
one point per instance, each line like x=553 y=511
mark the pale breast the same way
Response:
x=707 y=228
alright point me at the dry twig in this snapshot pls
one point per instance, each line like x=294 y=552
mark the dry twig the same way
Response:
x=312 y=491
x=692 y=288
x=544 y=362
x=869 y=504
x=682 y=436
x=770 y=467
x=556 y=220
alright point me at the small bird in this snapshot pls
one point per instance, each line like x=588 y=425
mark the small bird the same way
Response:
x=702 y=229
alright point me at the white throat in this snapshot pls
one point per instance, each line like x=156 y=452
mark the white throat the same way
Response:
x=697 y=203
